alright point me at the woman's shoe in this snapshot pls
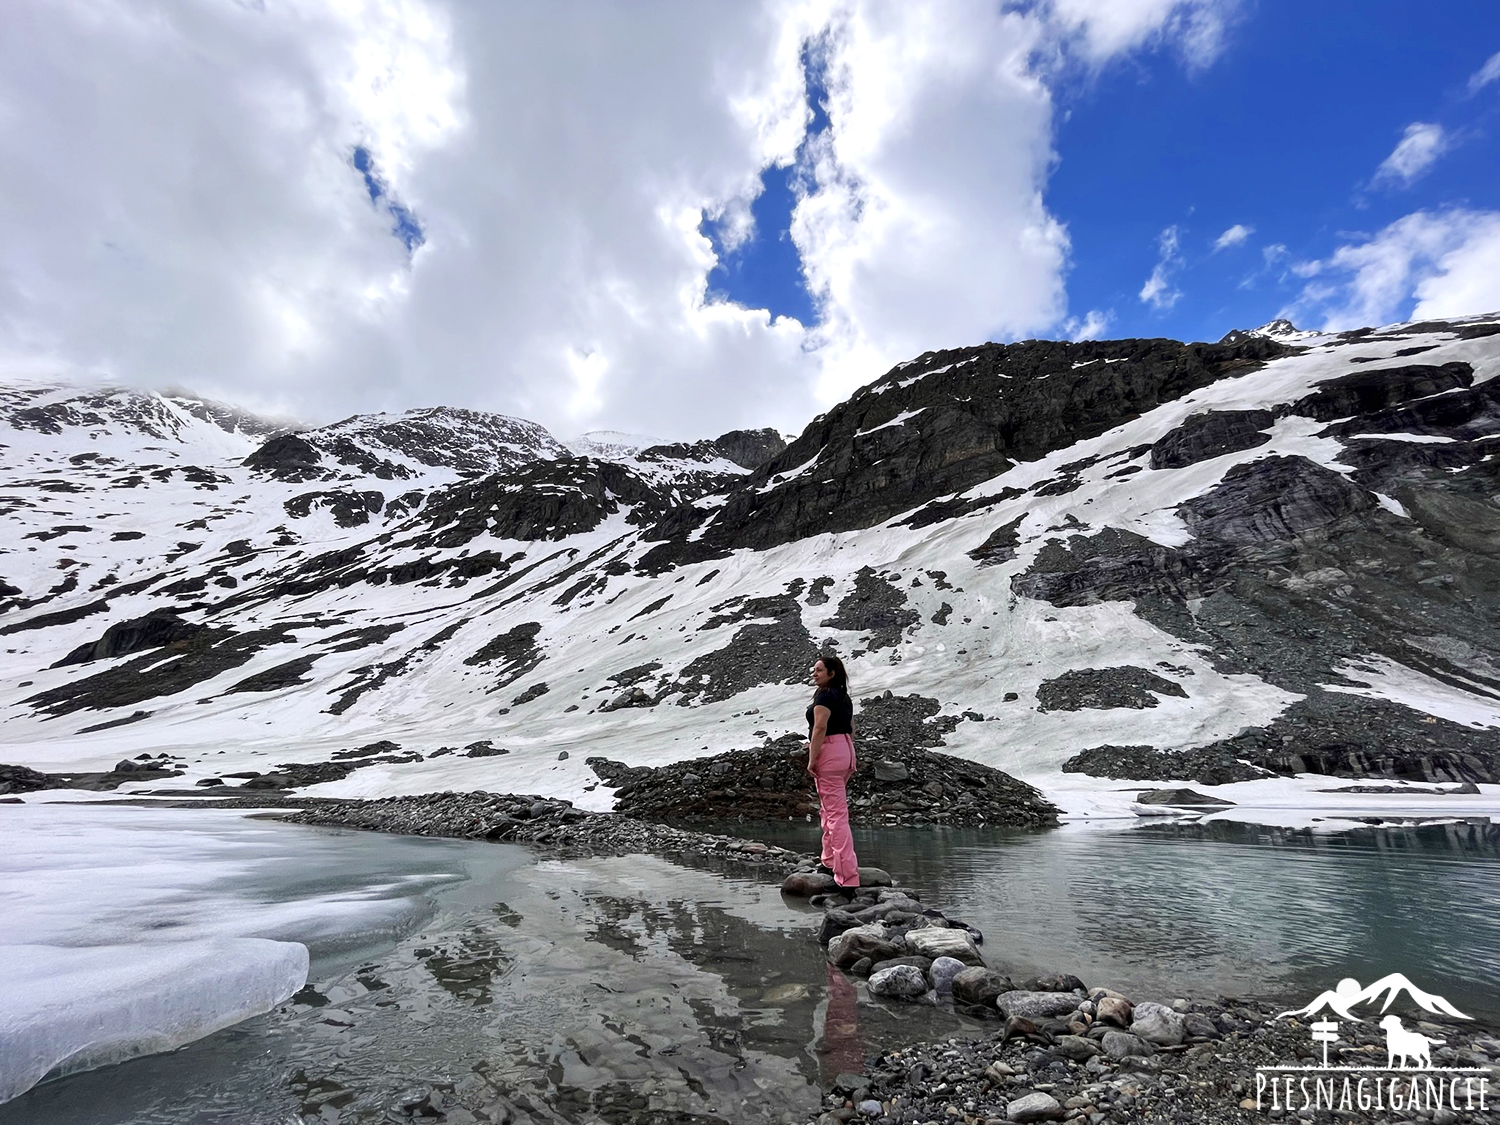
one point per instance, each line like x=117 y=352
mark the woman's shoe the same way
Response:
x=824 y=869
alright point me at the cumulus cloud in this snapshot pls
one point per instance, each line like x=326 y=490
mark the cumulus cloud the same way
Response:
x=1197 y=27
x=1093 y=325
x=1426 y=264
x=1158 y=291
x=1234 y=236
x=1418 y=149
x=210 y=222
x=1489 y=72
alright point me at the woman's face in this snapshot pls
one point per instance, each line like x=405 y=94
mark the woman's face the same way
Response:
x=821 y=676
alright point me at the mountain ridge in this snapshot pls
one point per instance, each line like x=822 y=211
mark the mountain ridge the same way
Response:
x=1296 y=537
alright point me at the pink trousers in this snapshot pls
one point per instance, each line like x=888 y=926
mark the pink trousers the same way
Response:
x=835 y=764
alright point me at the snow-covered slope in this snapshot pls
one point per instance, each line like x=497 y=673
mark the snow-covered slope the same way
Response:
x=1193 y=561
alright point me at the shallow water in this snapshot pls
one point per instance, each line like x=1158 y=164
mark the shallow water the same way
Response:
x=561 y=990
x=584 y=990
x=1216 y=909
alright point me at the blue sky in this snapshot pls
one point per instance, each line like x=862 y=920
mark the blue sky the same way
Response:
x=1282 y=135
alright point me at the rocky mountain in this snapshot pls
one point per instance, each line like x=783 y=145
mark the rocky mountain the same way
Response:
x=1098 y=562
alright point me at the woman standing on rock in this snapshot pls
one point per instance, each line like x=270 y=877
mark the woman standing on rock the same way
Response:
x=831 y=761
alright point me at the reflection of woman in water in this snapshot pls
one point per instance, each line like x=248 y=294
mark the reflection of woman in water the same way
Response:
x=831 y=761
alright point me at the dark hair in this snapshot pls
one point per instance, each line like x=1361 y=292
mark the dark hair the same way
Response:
x=835 y=666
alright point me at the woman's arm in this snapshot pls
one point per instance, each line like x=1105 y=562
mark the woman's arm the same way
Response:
x=821 y=716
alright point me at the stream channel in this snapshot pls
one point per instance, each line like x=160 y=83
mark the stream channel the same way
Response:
x=474 y=976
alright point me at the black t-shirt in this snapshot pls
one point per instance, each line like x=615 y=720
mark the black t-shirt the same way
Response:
x=840 y=711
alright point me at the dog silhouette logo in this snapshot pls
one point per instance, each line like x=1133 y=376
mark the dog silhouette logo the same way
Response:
x=1403 y=1044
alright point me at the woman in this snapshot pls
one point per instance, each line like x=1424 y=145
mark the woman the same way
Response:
x=831 y=761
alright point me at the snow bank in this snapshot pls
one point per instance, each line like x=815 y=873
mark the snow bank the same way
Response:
x=73 y=1009
x=126 y=931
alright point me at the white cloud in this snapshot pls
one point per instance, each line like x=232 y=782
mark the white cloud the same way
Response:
x=1427 y=264
x=1196 y=27
x=1093 y=325
x=1158 y=291
x=1273 y=253
x=1419 y=147
x=1234 y=236
x=1489 y=72
x=201 y=225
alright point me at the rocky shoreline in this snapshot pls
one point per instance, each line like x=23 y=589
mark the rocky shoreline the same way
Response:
x=1062 y=1051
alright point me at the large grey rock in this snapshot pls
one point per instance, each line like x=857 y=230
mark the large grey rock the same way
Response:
x=891 y=771
x=874 y=942
x=942 y=973
x=874 y=877
x=1158 y=1024
x=1113 y=1009
x=905 y=981
x=1075 y=1047
x=1036 y=1106
x=1179 y=798
x=935 y=943
x=805 y=884
x=1123 y=1045
x=1036 y=1005
x=1198 y=1024
x=979 y=985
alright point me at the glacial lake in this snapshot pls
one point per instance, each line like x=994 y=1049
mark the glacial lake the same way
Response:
x=583 y=990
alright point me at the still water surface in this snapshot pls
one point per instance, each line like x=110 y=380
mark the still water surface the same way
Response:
x=584 y=990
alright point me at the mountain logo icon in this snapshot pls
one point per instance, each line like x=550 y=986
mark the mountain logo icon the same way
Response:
x=1348 y=993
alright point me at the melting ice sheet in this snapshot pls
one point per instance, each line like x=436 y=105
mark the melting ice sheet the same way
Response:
x=126 y=931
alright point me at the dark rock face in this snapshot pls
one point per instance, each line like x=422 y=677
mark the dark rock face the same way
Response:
x=1211 y=434
x=1105 y=688
x=286 y=675
x=946 y=422
x=750 y=449
x=546 y=500
x=23 y=779
x=1274 y=499
x=161 y=627
x=349 y=508
x=1373 y=391
x=1000 y=545
x=778 y=652
x=876 y=606
x=203 y=656
x=515 y=650
x=1296 y=572
x=287 y=457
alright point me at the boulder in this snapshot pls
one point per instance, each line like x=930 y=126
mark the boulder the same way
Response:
x=1076 y=1047
x=805 y=884
x=1158 y=1024
x=1036 y=1005
x=874 y=942
x=835 y=922
x=874 y=877
x=942 y=973
x=1055 y=982
x=1036 y=1106
x=935 y=943
x=978 y=985
x=1199 y=1026
x=923 y=963
x=891 y=771
x=1123 y=1045
x=1113 y=1009
x=1180 y=798
x=904 y=981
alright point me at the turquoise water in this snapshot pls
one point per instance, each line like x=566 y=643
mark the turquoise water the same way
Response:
x=1217 y=909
